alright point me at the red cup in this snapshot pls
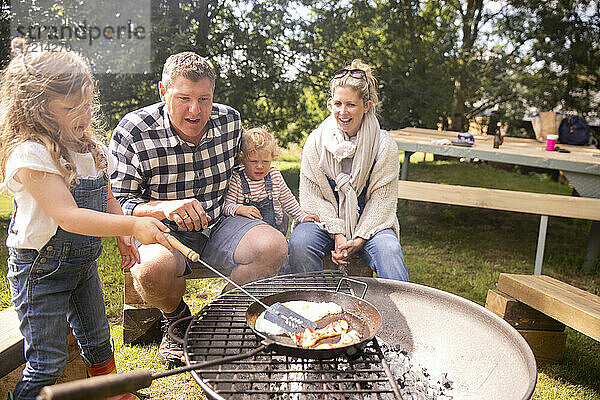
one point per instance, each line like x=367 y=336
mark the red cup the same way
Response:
x=551 y=142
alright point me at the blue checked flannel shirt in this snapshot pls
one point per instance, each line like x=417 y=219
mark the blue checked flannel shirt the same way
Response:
x=155 y=164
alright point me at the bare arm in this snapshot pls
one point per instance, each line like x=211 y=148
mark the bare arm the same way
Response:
x=51 y=192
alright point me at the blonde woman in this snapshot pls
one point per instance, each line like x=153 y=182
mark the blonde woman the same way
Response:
x=57 y=172
x=349 y=178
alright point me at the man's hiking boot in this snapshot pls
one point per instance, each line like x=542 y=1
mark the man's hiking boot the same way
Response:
x=170 y=353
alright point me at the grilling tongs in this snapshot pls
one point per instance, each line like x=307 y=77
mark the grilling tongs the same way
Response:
x=277 y=313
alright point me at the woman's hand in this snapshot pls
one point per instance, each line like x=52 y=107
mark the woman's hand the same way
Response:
x=338 y=256
x=248 y=211
x=352 y=246
x=345 y=248
x=129 y=252
x=311 y=218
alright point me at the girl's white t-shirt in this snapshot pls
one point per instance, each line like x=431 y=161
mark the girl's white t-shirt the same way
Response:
x=33 y=227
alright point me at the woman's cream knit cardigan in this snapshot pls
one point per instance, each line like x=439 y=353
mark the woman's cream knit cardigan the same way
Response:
x=316 y=196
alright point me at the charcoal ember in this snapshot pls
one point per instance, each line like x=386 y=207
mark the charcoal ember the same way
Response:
x=420 y=377
x=432 y=393
x=410 y=378
x=420 y=387
x=415 y=382
x=366 y=385
x=445 y=382
x=410 y=394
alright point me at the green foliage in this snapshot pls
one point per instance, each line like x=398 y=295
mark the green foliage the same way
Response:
x=438 y=63
x=248 y=45
x=433 y=59
x=4 y=32
x=560 y=48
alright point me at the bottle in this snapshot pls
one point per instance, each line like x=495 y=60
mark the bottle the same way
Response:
x=497 y=140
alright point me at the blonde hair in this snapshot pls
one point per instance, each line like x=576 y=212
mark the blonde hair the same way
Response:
x=365 y=87
x=189 y=65
x=30 y=82
x=258 y=139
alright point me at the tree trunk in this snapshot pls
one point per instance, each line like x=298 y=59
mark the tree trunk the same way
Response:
x=471 y=18
x=203 y=27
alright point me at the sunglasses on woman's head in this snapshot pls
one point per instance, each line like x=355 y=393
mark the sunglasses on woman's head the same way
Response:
x=354 y=73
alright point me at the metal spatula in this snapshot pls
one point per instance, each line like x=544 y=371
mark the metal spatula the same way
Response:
x=277 y=313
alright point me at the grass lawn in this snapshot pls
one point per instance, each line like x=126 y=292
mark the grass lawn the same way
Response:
x=456 y=249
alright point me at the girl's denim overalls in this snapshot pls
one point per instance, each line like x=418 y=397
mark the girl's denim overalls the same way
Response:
x=60 y=283
x=265 y=206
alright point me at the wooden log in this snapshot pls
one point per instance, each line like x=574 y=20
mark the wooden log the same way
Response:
x=518 y=314
x=356 y=266
x=570 y=305
x=141 y=324
x=547 y=346
x=130 y=295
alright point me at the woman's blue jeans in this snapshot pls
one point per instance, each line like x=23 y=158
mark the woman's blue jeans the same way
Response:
x=309 y=244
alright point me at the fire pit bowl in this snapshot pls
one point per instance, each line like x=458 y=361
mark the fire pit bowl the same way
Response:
x=481 y=353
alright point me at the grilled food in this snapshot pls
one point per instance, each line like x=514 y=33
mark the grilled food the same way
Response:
x=308 y=309
x=347 y=338
x=310 y=337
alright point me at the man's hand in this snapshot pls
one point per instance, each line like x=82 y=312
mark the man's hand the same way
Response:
x=188 y=214
x=248 y=211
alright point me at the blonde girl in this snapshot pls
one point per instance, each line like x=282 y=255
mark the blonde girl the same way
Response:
x=259 y=191
x=57 y=172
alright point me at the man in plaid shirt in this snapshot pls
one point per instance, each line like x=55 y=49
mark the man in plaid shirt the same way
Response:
x=174 y=162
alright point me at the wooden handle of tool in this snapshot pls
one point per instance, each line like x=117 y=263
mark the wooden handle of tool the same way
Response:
x=189 y=253
x=98 y=387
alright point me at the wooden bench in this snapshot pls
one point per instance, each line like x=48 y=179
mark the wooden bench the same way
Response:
x=539 y=307
x=12 y=359
x=507 y=200
x=141 y=321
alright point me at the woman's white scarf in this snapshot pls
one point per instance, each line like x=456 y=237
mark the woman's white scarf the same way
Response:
x=333 y=146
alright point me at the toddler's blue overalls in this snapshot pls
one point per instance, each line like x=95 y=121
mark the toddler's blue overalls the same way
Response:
x=60 y=283
x=265 y=206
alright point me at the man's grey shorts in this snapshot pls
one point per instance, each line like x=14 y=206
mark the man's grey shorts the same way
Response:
x=216 y=244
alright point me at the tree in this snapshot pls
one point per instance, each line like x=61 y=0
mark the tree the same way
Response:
x=561 y=47
x=4 y=33
x=247 y=43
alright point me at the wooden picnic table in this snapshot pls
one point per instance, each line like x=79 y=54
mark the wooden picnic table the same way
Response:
x=581 y=166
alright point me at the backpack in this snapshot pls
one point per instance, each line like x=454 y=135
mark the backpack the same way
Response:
x=573 y=130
